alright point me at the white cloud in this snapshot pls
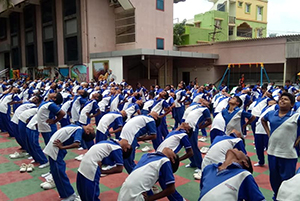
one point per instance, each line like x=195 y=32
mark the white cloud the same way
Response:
x=283 y=16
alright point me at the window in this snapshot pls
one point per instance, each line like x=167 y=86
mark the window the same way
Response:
x=230 y=31
x=248 y=7
x=49 y=32
x=160 y=43
x=3 y=29
x=218 y=23
x=71 y=13
x=197 y=24
x=160 y=5
x=221 y=7
x=240 y=4
x=72 y=48
x=259 y=13
x=69 y=7
x=49 y=52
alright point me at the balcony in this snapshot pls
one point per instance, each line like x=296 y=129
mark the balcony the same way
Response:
x=231 y=20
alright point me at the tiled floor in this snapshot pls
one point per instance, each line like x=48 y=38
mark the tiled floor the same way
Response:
x=25 y=186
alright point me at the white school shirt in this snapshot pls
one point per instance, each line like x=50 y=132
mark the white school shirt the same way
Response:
x=65 y=107
x=89 y=164
x=32 y=123
x=63 y=135
x=107 y=120
x=20 y=109
x=259 y=129
x=289 y=189
x=194 y=116
x=4 y=102
x=137 y=125
x=27 y=114
x=145 y=175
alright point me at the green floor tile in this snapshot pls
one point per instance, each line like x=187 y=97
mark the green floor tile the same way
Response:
x=22 y=188
x=8 y=167
x=190 y=191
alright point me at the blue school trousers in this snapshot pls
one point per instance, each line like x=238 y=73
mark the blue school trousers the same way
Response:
x=178 y=114
x=34 y=147
x=261 y=141
x=129 y=163
x=214 y=133
x=22 y=134
x=5 y=123
x=58 y=171
x=88 y=190
x=281 y=169
x=196 y=159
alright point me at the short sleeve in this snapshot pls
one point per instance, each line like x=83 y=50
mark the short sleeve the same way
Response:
x=78 y=135
x=266 y=117
x=240 y=146
x=171 y=101
x=53 y=108
x=95 y=106
x=166 y=173
x=117 y=156
x=245 y=114
x=165 y=104
x=206 y=114
x=151 y=127
x=185 y=142
x=119 y=121
x=250 y=191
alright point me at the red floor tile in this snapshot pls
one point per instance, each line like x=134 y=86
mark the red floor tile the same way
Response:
x=114 y=180
x=109 y=196
x=250 y=154
x=180 y=180
x=72 y=176
x=4 y=140
x=44 y=195
x=72 y=163
x=3 y=197
x=11 y=177
x=9 y=150
x=263 y=181
x=25 y=160
x=79 y=151
x=260 y=169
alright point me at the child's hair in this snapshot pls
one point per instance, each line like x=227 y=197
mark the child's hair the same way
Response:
x=175 y=165
x=88 y=137
x=127 y=153
x=290 y=96
x=250 y=168
x=239 y=100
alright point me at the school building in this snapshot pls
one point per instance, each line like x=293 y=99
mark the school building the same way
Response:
x=129 y=39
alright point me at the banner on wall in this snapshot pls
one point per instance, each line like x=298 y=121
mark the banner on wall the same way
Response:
x=79 y=72
x=16 y=74
x=102 y=71
x=64 y=72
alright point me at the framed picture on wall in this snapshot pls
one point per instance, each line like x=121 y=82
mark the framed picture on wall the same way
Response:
x=79 y=72
x=101 y=70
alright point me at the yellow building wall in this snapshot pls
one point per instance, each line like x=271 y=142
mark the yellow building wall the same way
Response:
x=252 y=16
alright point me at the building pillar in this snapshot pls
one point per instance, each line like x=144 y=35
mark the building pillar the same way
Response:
x=39 y=36
x=166 y=71
x=284 y=72
x=22 y=41
x=60 y=33
x=149 y=68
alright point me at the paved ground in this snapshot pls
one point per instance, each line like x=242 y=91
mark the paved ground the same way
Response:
x=25 y=186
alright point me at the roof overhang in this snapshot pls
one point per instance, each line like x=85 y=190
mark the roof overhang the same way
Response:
x=153 y=52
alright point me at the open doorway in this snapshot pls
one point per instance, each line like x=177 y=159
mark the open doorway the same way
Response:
x=186 y=77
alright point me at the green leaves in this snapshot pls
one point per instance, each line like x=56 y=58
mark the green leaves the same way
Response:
x=178 y=31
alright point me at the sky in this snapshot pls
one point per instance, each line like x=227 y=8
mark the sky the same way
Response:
x=283 y=15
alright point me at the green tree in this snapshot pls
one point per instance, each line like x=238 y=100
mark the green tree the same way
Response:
x=178 y=31
x=6 y=4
